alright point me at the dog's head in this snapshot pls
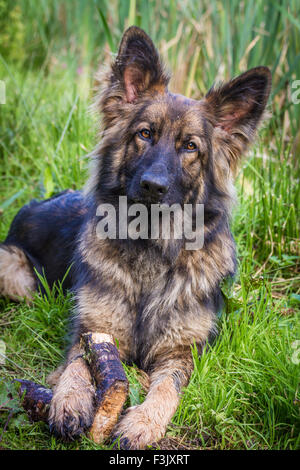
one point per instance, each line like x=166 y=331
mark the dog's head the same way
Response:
x=159 y=147
x=162 y=147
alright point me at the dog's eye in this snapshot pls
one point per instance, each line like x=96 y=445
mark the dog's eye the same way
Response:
x=145 y=134
x=190 y=146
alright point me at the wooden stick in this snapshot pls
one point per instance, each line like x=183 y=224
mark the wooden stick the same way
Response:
x=36 y=399
x=103 y=359
x=111 y=382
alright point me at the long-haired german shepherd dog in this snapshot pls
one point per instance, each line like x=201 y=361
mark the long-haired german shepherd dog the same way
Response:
x=155 y=297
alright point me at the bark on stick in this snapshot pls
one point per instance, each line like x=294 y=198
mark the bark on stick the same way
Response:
x=103 y=359
x=36 y=399
x=111 y=382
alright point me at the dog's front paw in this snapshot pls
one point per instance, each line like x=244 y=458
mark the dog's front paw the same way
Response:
x=72 y=410
x=71 y=415
x=138 y=429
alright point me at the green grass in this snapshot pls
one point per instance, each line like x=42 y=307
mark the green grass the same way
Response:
x=243 y=392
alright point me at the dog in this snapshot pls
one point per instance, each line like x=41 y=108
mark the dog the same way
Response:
x=154 y=296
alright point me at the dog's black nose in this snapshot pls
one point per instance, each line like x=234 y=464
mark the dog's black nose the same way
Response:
x=154 y=185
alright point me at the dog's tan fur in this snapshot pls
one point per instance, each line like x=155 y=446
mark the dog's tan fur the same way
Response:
x=146 y=424
x=73 y=391
x=16 y=275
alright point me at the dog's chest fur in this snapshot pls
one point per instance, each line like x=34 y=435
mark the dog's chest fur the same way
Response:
x=147 y=301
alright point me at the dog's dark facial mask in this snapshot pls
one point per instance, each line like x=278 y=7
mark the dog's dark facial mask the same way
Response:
x=164 y=150
x=161 y=147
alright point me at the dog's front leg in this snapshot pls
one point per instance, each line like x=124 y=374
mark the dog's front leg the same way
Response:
x=72 y=406
x=145 y=424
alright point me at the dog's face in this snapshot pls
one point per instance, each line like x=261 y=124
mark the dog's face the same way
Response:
x=168 y=150
x=162 y=147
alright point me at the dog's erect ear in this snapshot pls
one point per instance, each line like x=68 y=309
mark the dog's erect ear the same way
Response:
x=237 y=106
x=138 y=67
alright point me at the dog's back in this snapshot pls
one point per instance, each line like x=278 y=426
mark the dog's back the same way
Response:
x=42 y=237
